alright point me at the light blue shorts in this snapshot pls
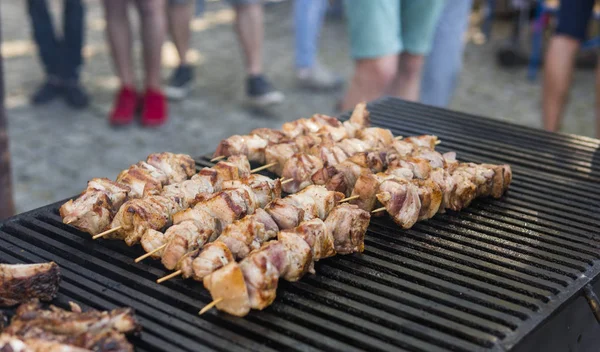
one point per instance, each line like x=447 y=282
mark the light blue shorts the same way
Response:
x=384 y=27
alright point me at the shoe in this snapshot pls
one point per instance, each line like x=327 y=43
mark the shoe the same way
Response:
x=318 y=78
x=154 y=111
x=180 y=83
x=261 y=93
x=48 y=91
x=125 y=107
x=76 y=96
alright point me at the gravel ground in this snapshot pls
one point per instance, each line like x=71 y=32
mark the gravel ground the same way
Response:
x=55 y=149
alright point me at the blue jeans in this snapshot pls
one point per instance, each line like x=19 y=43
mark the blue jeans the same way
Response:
x=61 y=57
x=308 y=21
x=444 y=63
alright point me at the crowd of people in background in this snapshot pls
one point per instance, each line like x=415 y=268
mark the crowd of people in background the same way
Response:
x=405 y=48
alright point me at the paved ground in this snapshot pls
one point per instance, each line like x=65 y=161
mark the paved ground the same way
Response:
x=56 y=150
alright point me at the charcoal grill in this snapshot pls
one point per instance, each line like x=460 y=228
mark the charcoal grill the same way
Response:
x=514 y=274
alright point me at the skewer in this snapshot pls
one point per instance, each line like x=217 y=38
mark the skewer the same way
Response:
x=217 y=158
x=107 y=232
x=286 y=181
x=398 y=138
x=142 y=257
x=438 y=142
x=170 y=276
x=378 y=210
x=263 y=167
x=209 y=306
x=349 y=198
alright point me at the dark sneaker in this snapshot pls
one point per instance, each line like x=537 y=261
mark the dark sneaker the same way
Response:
x=47 y=92
x=261 y=93
x=76 y=96
x=180 y=83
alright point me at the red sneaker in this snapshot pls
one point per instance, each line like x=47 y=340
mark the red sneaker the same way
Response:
x=154 y=111
x=125 y=107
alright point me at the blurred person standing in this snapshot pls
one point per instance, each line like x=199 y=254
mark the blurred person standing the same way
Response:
x=444 y=62
x=118 y=29
x=61 y=57
x=179 y=13
x=309 y=16
x=571 y=30
x=389 y=40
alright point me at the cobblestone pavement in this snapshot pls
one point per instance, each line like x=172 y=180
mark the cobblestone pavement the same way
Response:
x=55 y=150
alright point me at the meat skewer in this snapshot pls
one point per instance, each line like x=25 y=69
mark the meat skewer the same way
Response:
x=93 y=210
x=252 y=283
x=254 y=144
x=244 y=235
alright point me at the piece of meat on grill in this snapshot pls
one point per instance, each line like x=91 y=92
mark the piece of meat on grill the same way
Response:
x=376 y=137
x=265 y=189
x=348 y=225
x=279 y=154
x=401 y=200
x=9 y=343
x=90 y=212
x=271 y=135
x=177 y=167
x=252 y=146
x=228 y=284
x=22 y=282
x=117 y=193
x=424 y=141
x=285 y=215
x=299 y=168
x=141 y=180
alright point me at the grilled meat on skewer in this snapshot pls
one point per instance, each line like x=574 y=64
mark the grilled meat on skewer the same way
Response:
x=242 y=236
x=16 y=344
x=22 y=282
x=252 y=283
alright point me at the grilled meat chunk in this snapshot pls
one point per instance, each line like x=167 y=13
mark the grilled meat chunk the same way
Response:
x=22 y=282
x=401 y=200
x=10 y=343
x=252 y=146
x=348 y=224
x=300 y=167
x=177 y=167
x=90 y=212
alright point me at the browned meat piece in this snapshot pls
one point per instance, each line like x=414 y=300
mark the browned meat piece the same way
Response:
x=182 y=238
x=329 y=154
x=117 y=193
x=279 y=154
x=229 y=285
x=248 y=233
x=22 y=282
x=430 y=196
x=367 y=188
x=323 y=199
x=465 y=189
x=299 y=255
x=271 y=135
x=153 y=239
x=348 y=225
x=10 y=343
x=213 y=256
x=349 y=175
x=264 y=188
x=285 y=215
x=261 y=270
x=300 y=168
x=420 y=168
x=252 y=146
x=318 y=237
x=376 y=137
x=435 y=159
x=401 y=148
x=303 y=202
x=226 y=206
x=401 y=200
x=177 y=167
x=501 y=180
x=361 y=116
x=228 y=170
x=140 y=181
x=447 y=185
x=424 y=141
x=90 y=212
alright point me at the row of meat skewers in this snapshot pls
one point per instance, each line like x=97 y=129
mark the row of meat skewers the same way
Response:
x=212 y=231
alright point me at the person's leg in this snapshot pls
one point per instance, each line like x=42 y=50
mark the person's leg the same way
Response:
x=573 y=18
x=444 y=62
x=308 y=22
x=374 y=48
x=249 y=27
x=180 y=14
x=118 y=32
x=418 y=20
x=73 y=35
x=152 y=13
x=48 y=50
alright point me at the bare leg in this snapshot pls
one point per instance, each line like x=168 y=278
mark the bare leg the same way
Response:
x=558 y=73
x=371 y=79
x=180 y=16
x=153 y=35
x=250 y=30
x=407 y=84
x=118 y=32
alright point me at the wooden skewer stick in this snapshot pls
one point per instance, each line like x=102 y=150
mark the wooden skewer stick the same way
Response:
x=263 y=167
x=170 y=276
x=349 y=198
x=287 y=181
x=398 y=137
x=209 y=306
x=438 y=142
x=107 y=232
x=142 y=257
x=217 y=158
x=378 y=210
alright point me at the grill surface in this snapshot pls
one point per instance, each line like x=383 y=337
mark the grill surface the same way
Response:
x=491 y=277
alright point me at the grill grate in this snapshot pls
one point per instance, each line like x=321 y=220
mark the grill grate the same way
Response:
x=481 y=279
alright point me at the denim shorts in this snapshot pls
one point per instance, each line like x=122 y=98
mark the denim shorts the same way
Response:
x=384 y=27
x=573 y=18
